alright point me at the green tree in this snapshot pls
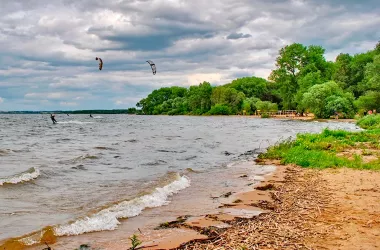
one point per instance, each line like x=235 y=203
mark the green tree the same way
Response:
x=131 y=111
x=265 y=106
x=289 y=63
x=227 y=96
x=369 y=101
x=343 y=104
x=294 y=63
x=220 y=109
x=358 y=67
x=372 y=74
x=250 y=86
x=305 y=82
x=342 y=74
x=249 y=105
x=321 y=99
x=377 y=48
x=149 y=105
x=199 y=98
x=314 y=61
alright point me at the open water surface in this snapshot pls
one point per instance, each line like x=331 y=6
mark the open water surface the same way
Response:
x=85 y=174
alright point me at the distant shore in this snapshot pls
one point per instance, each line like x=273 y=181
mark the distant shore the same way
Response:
x=125 y=112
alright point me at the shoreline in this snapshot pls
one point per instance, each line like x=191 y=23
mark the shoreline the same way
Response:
x=186 y=228
x=231 y=179
x=295 y=207
x=245 y=206
x=301 y=208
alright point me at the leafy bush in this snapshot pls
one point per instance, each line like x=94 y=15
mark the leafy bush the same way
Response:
x=370 y=122
x=220 y=109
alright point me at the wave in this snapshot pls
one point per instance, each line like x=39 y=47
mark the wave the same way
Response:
x=4 y=152
x=105 y=148
x=98 y=117
x=30 y=174
x=79 y=159
x=107 y=219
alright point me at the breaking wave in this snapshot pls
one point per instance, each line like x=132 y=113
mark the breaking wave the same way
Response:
x=107 y=219
x=25 y=176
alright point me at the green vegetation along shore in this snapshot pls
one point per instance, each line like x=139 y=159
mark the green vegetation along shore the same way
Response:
x=332 y=148
x=303 y=80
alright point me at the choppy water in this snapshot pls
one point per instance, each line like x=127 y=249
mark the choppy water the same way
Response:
x=83 y=175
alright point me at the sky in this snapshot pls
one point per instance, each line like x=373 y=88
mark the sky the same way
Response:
x=48 y=47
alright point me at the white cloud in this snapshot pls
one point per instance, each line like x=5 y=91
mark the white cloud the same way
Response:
x=1 y=100
x=195 y=79
x=68 y=104
x=49 y=47
x=127 y=100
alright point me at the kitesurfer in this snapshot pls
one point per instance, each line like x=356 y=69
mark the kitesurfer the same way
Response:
x=52 y=117
x=153 y=66
x=100 y=62
x=91 y=115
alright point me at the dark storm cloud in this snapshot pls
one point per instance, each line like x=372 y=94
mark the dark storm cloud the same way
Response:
x=238 y=36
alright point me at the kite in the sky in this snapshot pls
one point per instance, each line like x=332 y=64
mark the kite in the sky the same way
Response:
x=100 y=63
x=153 y=66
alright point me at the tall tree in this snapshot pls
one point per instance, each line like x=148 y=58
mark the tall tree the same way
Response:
x=199 y=98
x=250 y=86
x=342 y=74
x=289 y=63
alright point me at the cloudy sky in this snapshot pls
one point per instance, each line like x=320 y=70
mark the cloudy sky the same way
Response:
x=48 y=47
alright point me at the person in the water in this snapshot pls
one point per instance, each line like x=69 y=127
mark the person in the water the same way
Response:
x=52 y=117
x=90 y=115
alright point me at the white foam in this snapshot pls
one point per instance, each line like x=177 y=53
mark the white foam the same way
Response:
x=28 y=175
x=107 y=219
x=98 y=117
x=28 y=241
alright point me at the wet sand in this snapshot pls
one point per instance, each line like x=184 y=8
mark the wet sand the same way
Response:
x=183 y=230
x=223 y=187
x=300 y=209
x=292 y=208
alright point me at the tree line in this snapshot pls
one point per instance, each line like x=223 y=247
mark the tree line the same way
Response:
x=303 y=80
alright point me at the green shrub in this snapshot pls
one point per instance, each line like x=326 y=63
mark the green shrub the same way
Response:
x=220 y=109
x=370 y=122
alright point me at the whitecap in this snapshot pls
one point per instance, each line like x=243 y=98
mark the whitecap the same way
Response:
x=28 y=175
x=107 y=219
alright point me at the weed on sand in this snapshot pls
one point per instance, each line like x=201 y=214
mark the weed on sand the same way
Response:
x=331 y=148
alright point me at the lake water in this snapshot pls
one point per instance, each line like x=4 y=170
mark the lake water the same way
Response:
x=85 y=174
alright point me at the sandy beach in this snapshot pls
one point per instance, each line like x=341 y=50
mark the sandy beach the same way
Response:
x=298 y=209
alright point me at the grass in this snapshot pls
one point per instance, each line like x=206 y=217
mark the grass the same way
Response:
x=370 y=122
x=322 y=150
x=135 y=242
